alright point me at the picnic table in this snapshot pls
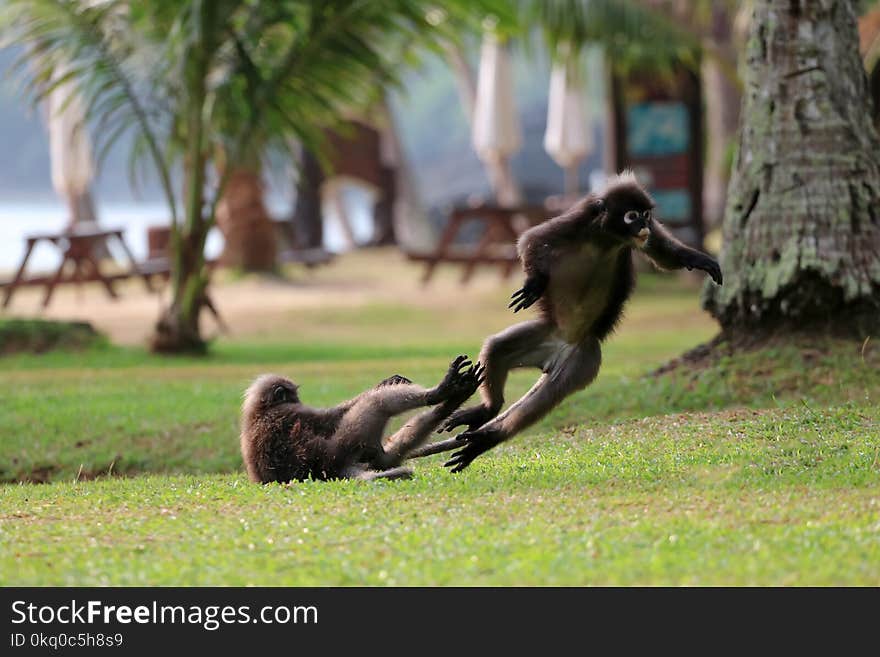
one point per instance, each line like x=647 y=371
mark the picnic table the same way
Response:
x=496 y=246
x=76 y=247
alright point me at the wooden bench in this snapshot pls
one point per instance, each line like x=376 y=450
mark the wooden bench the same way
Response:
x=496 y=246
x=77 y=248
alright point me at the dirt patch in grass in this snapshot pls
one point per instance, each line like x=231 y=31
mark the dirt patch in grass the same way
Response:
x=48 y=473
x=810 y=349
x=39 y=474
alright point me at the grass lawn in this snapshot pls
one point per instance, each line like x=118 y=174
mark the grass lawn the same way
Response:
x=764 y=470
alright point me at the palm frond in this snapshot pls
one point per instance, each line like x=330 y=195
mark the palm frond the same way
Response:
x=194 y=78
x=633 y=35
x=71 y=44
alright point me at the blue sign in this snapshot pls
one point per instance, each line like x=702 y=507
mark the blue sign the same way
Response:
x=672 y=203
x=657 y=129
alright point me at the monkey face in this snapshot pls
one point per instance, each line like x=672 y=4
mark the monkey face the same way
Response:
x=281 y=392
x=270 y=391
x=638 y=223
x=628 y=213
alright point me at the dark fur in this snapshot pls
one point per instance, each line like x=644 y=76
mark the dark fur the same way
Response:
x=579 y=270
x=282 y=439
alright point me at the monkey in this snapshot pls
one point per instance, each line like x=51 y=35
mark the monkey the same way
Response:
x=578 y=269
x=282 y=439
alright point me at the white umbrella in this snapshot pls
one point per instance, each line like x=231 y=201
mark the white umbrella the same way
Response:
x=70 y=152
x=496 y=132
x=568 y=138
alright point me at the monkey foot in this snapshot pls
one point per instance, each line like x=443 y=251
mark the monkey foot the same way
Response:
x=464 y=384
x=451 y=383
x=478 y=442
x=394 y=380
x=474 y=417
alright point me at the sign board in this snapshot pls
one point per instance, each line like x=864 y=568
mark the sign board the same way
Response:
x=658 y=134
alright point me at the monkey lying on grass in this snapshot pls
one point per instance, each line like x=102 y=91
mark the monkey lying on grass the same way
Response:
x=283 y=439
x=579 y=268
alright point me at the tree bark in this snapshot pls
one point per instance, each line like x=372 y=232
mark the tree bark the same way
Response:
x=383 y=211
x=178 y=330
x=802 y=221
x=250 y=241
x=308 y=219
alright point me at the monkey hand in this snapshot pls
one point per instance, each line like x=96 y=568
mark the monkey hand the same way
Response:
x=394 y=380
x=530 y=292
x=478 y=441
x=705 y=263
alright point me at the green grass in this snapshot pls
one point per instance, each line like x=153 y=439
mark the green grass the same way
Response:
x=764 y=469
x=780 y=497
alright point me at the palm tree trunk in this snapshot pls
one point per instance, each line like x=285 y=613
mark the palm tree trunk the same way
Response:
x=177 y=330
x=243 y=219
x=802 y=223
x=307 y=219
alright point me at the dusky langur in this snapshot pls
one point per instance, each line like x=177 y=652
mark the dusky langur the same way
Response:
x=282 y=439
x=579 y=269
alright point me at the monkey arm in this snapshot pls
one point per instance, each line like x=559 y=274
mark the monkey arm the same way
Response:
x=668 y=253
x=535 y=252
x=539 y=246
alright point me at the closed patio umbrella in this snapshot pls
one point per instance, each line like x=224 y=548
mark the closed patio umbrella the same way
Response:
x=70 y=152
x=568 y=138
x=496 y=132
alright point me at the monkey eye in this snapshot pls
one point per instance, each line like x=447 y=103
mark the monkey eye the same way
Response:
x=646 y=214
x=630 y=216
x=279 y=394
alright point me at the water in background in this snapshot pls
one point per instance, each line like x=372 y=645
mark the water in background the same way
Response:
x=18 y=220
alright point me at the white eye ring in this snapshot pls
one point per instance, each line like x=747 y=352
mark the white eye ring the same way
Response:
x=630 y=217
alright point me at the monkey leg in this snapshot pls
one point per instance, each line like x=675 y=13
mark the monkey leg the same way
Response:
x=457 y=388
x=527 y=344
x=364 y=423
x=571 y=368
x=393 y=380
x=412 y=435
